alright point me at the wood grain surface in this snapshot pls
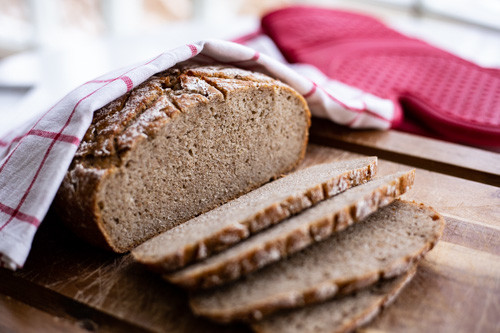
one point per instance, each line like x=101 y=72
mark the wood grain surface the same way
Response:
x=69 y=286
x=430 y=154
x=16 y=316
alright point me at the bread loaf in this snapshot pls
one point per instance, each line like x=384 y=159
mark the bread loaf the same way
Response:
x=183 y=142
x=313 y=225
x=340 y=315
x=386 y=244
x=228 y=224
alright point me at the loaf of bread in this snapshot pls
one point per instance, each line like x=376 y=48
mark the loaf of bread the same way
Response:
x=384 y=245
x=235 y=221
x=183 y=142
x=292 y=235
x=341 y=315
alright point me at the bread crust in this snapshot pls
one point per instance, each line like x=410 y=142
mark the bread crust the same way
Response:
x=83 y=215
x=121 y=126
x=271 y=215
x=318 y=293
x=361 y=318
x=295 y=240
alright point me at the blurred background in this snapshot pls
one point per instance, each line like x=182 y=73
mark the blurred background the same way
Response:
x=48 y=47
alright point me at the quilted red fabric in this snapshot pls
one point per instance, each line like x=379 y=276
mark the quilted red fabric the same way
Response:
x=437 y=93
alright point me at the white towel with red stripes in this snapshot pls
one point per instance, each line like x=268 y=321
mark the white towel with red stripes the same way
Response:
x=34 y=158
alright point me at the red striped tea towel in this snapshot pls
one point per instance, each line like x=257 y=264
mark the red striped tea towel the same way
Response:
x=34 y=159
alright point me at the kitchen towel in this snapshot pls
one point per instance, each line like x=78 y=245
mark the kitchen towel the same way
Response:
x=35 y=157
x=434 y=92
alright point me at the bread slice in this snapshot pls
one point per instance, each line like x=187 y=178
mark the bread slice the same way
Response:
x=183 y=142
x=229 y=224
x=384 y=245
x=315 y=224
x=340 y=315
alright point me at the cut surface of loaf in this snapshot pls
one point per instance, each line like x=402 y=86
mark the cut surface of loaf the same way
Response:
x=313 y=225
x=340 y=315
x=229 y=224
x=384 y=245
x=183 y=142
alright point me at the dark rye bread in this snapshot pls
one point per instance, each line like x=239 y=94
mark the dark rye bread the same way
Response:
x=313 y=225
x=340 y=315
x=229 y=224
x=183 y=142
x=384 y=245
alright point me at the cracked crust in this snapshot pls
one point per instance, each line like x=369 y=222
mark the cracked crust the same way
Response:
x=251 y=213
x=339 y=315
x=314 y=225
x=145 y=116
x=330 y=268
x=141 y=113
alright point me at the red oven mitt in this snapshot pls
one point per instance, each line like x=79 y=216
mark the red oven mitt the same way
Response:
x=438 y=93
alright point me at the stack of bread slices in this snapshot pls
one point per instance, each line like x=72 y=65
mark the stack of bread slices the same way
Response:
x=323 y=249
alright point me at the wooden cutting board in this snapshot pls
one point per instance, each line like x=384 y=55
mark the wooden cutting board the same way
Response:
x=67 y=285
